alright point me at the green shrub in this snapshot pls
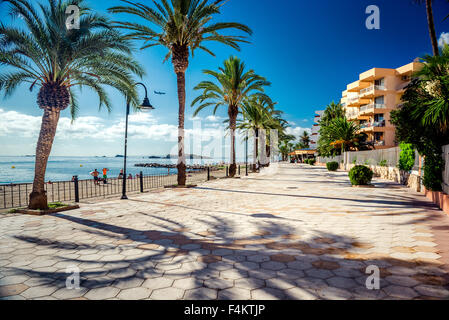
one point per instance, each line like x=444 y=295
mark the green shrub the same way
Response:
x=406 y=157
x=383 y=163
x=312 y=162
x=354 y=161
x=433 y=179
x=332 y=166
x=360 y=175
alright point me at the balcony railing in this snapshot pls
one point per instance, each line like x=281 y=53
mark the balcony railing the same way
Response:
x=372 y=89
x=373 y=124
x=372 y=107
x=377 y=143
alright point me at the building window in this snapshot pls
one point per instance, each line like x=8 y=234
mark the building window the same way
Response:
x=378 y=136
x=379 y=117
x=379 y=100
x=380 y=82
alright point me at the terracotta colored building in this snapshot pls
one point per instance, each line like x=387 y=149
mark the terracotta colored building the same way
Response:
x=369 y=101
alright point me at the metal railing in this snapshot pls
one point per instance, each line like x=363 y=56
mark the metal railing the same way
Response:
x=372 y=107
x=16 y=195
x=373 y=124
x=371 y=89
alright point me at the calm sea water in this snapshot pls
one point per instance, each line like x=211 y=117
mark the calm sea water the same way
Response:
x=63 y=168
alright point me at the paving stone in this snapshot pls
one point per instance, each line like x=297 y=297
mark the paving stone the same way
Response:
x=188 y=283
x=400 y=292
x=433 y=291
x=341 y=282
x=157 y=283
x=167 y=294
x=218 y=283
x=273 y=265
x=65 y=294
x=12 y=290
x=200 y=294
x=234 y=294
x=267 y=294
x=102 y=293
x=134 y=294
x=301 y=294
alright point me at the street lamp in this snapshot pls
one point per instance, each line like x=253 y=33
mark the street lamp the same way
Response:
x=146 y=105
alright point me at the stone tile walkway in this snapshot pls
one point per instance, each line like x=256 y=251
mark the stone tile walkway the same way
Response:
x=298 y=233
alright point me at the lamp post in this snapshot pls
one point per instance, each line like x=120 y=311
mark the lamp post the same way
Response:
x=246 y=155
x=146 y=105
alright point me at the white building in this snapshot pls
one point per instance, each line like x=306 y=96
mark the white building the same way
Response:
x=316 y=130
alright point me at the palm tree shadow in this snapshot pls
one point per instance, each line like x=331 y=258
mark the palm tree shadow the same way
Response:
x=275 y=259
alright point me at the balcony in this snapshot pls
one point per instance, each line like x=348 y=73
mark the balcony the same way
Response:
x=372 y=91
x=356 y=101
x=352 y=115
x=371 y=125
x=371 y=108
x=378 y=143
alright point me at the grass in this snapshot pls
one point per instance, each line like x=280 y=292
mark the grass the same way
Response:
x=51 y=205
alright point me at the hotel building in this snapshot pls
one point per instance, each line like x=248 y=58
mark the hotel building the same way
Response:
x=369 y=101
x=316 y=130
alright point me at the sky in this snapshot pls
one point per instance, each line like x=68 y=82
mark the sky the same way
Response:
x=308 y=50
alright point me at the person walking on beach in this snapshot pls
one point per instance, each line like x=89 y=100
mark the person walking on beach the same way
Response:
x=95 y=174
x=105 y=175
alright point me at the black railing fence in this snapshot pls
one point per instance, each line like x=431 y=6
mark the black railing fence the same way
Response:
x=16 y=195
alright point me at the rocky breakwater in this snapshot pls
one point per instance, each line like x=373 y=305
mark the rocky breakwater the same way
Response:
x=172 y=166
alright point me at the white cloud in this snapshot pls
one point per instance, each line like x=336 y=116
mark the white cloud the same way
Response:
x=297 y=131
x=141 y=126
x=213 y=118
x=444 y=39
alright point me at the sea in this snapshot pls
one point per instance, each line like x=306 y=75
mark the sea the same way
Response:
x=20 y=169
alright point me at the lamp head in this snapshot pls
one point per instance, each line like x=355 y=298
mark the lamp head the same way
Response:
x=146 y=105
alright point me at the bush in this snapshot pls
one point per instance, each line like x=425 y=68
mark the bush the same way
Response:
x=332 y=166
x=360 y=175
x=312 y=162
x=433 y=166
x=406 y=157
x=383 y=163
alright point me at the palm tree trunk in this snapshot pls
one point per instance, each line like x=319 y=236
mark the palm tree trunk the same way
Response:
x=181 y=79
x=232 y=112
x=38 y=197
x=433 y=36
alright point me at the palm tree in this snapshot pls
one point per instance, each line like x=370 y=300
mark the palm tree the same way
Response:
x=431 y=88
x=184 y=26
x=305 y=139
x=258 y=114
x=56 y=59
x=332 y=111
x=234 y=86
x=431 y=24
x=342 y=133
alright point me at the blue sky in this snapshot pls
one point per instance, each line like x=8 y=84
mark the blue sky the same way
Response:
x=309 y=50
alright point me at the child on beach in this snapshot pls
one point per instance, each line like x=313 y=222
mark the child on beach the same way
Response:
x=105 y=175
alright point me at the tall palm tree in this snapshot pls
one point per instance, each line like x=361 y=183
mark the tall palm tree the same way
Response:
x=183 y=26
x=235 y=84
x=305 y=139
x=332 y=111
x=56 y=59
x=258 y=114
x=431 y=24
